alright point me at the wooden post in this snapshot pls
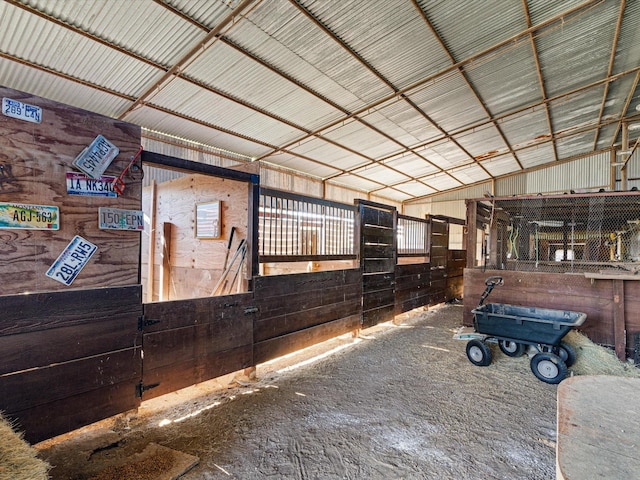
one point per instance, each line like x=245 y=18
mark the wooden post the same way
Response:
x=470 y=232
x=166 y=261
x=152 y=242
x=619 y=330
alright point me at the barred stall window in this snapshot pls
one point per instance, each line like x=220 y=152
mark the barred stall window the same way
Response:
x=297 y=228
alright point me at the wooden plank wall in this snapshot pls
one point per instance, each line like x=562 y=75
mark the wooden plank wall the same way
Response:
x=68 y=359
x=196 y=340
x=296 y=311
x=39 y=156
x=412 y=290
x=563 y=292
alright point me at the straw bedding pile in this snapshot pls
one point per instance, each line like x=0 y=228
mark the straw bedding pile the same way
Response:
x=18 y=459
x=593 y=359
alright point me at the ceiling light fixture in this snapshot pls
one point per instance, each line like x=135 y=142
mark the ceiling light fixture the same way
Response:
x=621 y=153
x=634 y=126
x=638 y=107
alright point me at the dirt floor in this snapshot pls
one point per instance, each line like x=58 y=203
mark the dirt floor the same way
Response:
x=402 y=401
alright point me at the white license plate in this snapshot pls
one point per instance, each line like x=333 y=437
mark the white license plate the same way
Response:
x=22 y=111
x=81 y=184
x=118 y=219
x=95 y=159
x=73 y=259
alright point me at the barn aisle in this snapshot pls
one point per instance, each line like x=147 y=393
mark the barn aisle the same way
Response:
x=400 y=402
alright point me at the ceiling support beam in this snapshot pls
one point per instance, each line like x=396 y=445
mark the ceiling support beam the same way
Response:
x=470 y=85
x=612 y=57
x=380 y=77
x=186 y=59
x=541 y=82
x=627 y=102
x=560 y=19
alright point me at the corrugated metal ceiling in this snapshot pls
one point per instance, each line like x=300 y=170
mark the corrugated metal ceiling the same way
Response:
x=400 y=99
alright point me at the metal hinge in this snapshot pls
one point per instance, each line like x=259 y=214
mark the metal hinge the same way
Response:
x=141 y=388
x=249 y=310
x=145 y=322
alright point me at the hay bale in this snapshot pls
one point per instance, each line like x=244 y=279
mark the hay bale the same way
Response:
x=18 y=459
x=593 y=359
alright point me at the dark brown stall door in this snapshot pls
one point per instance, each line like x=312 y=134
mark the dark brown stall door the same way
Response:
x=378 y=261
x=190 y=341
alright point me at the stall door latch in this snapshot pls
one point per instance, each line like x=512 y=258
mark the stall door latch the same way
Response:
x=143 y=321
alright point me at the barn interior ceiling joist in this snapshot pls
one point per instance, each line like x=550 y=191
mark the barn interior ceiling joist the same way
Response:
x=399 y=98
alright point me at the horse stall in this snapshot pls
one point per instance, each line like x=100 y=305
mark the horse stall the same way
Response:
x=574 y=252
x=109 y=251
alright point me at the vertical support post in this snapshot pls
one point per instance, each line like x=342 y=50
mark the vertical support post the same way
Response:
x=612 y=175
x=152 y=242
x=469 y=235
x=252 y=227
x=619 y=330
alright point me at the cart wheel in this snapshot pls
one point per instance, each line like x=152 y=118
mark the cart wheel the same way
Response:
x=548 y=367
x=511 y=348
x=567 y=353
x=478 y=353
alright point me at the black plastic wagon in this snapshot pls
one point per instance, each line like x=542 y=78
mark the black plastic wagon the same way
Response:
x=515 y=328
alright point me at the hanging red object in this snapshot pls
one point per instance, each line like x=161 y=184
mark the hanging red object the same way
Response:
x=118 y=183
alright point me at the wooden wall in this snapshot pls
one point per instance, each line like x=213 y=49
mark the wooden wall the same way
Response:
x=413 y=286
x=39 y=156
x=68 y=359
x=604 y=306
x=195 y=264
x=296 y=311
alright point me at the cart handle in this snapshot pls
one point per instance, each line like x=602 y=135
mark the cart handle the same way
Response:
x=490 y=282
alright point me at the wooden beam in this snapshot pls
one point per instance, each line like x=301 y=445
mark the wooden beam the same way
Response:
x=619 y=324
x=152 y=241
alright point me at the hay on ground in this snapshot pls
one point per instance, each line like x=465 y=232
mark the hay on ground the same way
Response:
x=593 y=359
x=18 y=459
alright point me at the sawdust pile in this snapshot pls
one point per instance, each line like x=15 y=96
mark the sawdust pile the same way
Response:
x=593 y=359
x=145 y=469
x=18 y=460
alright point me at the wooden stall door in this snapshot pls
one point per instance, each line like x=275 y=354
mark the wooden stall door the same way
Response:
x=439 y=254
x=190 y=341
x=377 y=261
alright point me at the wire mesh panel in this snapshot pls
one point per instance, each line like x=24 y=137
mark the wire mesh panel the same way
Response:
x=296 y=228
x=412 y=236
x=564 y=233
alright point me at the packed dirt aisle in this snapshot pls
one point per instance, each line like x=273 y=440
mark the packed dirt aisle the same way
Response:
x=400 y=402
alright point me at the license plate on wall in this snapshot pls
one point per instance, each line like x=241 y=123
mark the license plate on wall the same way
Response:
x=21 y=111
x=118 y=219
x=73 y=259
x=81 y=184
x=95 y=159
x=29 y=217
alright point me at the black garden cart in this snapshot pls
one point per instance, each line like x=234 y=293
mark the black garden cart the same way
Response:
x=516 y=327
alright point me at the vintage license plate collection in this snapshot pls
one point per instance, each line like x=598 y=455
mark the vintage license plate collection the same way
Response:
x=29 y=217
x=118 y=219
x=81 y=184
x=92 y=162
x=95 y=159
x=21 y=111
x=72 y=259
